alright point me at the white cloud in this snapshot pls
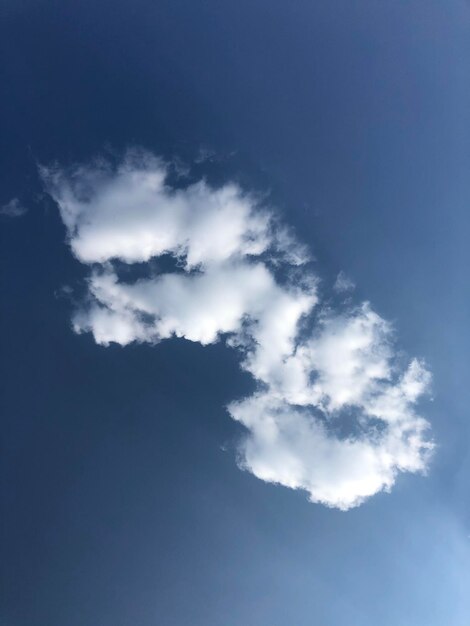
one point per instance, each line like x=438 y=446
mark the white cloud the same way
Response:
x=345 y=369
x=242 y=278
x=133 y=216
x=13 y=208
x=292 y=446
x=201 y=306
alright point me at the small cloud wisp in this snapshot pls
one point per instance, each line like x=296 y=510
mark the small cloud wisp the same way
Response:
x=13 y=208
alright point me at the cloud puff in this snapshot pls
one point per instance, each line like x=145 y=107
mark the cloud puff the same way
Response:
x=333 y=413
x=134 y=216
x=13 y=208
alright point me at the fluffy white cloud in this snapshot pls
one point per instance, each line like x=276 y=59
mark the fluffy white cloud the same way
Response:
x=345 y=370
x=292 y=446
x=242 y=278
x=132 y=215
x=201 y=306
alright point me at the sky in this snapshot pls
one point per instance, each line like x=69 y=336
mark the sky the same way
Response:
x=234 y=313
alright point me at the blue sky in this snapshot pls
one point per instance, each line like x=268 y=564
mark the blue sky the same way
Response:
x=123 y=501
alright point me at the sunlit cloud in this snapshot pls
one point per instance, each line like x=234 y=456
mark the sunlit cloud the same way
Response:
x=334 y=413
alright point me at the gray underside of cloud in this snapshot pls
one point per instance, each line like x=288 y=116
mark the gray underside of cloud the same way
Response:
x=240 y=277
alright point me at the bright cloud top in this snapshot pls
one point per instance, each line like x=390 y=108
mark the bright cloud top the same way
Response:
x=239 y=276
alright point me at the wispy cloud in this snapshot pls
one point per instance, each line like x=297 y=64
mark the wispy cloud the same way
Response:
x=240 y=276
x=13 y=208
x=343 y=283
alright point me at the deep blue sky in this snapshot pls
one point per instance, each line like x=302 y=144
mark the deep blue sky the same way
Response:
x=121 y=501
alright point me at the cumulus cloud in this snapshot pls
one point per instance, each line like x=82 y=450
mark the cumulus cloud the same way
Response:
x=333 y=413
x=113 y=217
x=13 y=208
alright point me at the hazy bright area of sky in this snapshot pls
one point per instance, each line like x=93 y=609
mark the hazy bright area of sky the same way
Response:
x=121 y=500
